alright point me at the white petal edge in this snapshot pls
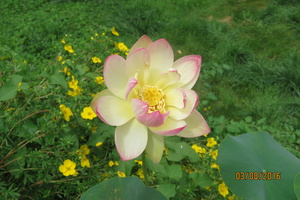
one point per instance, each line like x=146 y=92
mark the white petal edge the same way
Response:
x=105 y=92
x=155 y=146
x=170 y=127
x=191 y=103
x=189 y=69
x=143 y=42
x=113 y=110
x=161 y=58
x=176 y=97
x=196 y=126
x=115 y=75
x=131 y=139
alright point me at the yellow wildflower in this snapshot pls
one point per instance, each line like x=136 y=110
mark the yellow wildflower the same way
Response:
x=198 y=149
x=96 y=60
x=111 y=163
x=68 y=168
x=223 y=189
x=66 y=111
x=69 y=48
x=84 y=150
x=140 y=173
x=116 y=163
x=121 y=174
x=63 y=41
x=96 y=34
x=215 y=166
x=88 y=113
x=122 y=47
x=77 y=91
x=214 y=154
x=99 y=144
x=139 y=162
x=114 y=32
x=99 y=80
x=59 y=58
x=92 y=38
x=73 y=83
x=211 y=142
x=85 y=162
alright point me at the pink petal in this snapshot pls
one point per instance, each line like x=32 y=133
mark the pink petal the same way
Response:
x=196 y=126
x=115 y=75
x=154 y=119
x=139 y=107
x=137 y=65
x=143 y=42
x=189 y=69
x=176 y=97
x=131 y=139
x=113 y=110
x=130 y=85
x=170 y=127
x=191 y=103
x=155 y=146
x=161 y=57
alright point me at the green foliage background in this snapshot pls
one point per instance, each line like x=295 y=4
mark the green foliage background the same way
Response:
x=250 y=81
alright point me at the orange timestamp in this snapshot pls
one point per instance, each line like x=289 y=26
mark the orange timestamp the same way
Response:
x=257 y=176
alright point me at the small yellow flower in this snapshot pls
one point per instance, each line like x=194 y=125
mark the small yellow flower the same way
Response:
x=121 y=174
x=96 y=34
x=85 y=162
x=99 y=80
x=111 y=163
x=66 y=111
x=223 y=189
x=214 y=154
x=59 y=58
x=88 y=113
x=69 y=48
x=122 y=47
x=211 y=142
x=96 y=60
x=73 y=83
x=99 y=144
x=114 y=32
x=215 y=166
x=140 y=173
x=68 y=168
x=116 y=163
x=139 y=162
x=92 y=38
x=63 y=41
x=198 y=149
x=84 y=150
x=231 y=198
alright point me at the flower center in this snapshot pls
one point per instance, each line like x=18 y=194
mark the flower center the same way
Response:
x=154 y=97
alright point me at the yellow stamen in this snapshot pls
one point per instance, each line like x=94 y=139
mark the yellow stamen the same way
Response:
x=154 y=97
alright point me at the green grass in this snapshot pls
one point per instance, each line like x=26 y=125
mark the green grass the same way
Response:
x=250 y=81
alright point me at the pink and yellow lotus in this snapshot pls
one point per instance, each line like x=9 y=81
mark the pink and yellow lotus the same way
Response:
x=149 y=96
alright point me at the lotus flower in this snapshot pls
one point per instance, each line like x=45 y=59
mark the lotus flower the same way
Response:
x=149 y=96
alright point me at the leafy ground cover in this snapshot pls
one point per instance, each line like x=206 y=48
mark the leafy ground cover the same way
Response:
x=51 y=60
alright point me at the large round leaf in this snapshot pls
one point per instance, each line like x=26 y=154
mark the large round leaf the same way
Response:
x=254 y=166
x=297 y=185
x=129 y=188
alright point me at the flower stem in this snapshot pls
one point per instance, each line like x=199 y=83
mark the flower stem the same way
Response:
x=145 y=169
